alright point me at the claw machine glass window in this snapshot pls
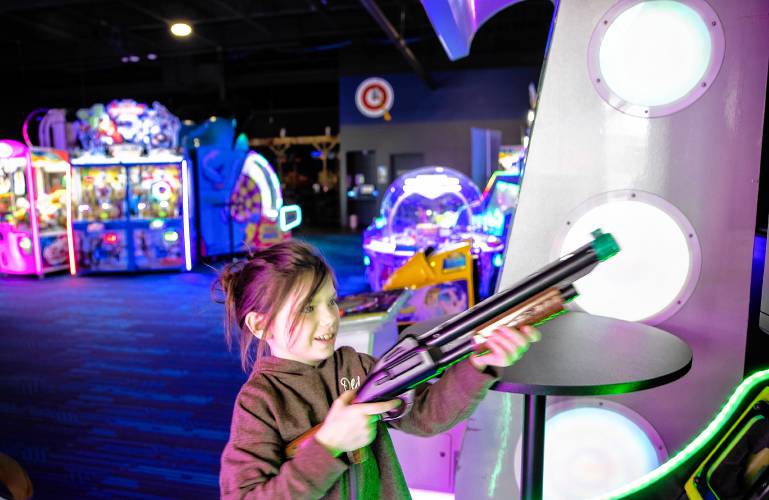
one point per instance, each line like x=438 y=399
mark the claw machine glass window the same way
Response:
x=99 y=206
x=155 y=191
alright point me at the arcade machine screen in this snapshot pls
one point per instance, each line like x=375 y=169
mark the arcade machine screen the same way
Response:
x=500 y=202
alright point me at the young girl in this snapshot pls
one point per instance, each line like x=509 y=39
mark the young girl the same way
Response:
x=284 y=299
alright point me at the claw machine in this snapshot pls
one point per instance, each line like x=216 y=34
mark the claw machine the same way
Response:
x=131 y=191
x=33 y=241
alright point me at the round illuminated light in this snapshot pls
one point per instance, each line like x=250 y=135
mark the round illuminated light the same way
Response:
x=181 y=29
x=654 y=57
x=161 y=190
x=657 y=268
x=530 y=117
x=171 y=236
x=593 y=446
x=25 y=243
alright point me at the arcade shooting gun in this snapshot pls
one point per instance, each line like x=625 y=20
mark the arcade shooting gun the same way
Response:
x=414 y=360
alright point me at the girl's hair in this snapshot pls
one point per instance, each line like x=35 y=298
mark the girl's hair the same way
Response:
x=262 y=284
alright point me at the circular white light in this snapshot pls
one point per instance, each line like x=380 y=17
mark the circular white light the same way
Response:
x=651 y=58
x=181 y=29
x=591 y=450
x=658 y=265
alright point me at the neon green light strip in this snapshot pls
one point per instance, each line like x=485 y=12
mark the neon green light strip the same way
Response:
x=696 y=445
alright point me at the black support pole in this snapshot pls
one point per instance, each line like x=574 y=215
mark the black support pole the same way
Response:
x=533 y=452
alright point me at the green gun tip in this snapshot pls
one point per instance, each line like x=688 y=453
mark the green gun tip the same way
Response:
x=604 y=244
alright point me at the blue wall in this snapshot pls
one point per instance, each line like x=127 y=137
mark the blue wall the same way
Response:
x=489 y=94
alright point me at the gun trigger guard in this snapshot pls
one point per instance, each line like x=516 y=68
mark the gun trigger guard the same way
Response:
x=407 y=399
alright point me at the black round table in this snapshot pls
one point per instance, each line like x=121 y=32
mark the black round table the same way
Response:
x=583 y=355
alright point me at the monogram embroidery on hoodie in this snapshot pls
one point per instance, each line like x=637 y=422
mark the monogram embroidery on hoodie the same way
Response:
x=349 y=383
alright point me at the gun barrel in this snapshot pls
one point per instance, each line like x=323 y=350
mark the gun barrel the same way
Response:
x=559 y=273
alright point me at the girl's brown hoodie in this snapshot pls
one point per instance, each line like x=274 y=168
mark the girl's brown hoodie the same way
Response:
x=282 y=399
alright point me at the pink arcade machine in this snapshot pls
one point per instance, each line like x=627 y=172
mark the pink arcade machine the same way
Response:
x=34 y=210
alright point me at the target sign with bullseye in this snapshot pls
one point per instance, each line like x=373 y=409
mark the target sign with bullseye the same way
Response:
x=374 y=98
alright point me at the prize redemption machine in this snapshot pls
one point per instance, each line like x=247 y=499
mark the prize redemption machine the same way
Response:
x=256 y=210
x=239 y=202
x=432 y=215
x=131 y=191
x=33 y=242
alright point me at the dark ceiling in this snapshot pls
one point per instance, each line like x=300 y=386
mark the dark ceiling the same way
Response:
x=271 y=64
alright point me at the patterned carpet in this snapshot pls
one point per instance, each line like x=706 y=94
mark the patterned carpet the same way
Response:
x=121 y=386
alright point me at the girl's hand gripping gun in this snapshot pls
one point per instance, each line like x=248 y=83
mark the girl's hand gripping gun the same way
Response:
x=414 y=360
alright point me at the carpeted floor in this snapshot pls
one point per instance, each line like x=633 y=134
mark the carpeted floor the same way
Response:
x=121 y=386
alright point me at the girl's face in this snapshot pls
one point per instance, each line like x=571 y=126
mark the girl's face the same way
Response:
x=315 y=329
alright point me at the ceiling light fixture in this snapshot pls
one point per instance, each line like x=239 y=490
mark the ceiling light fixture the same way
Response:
x=181 y=29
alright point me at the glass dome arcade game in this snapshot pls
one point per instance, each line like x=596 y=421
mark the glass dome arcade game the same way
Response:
x=33 y=242
x=131 y=190
x=429 y=207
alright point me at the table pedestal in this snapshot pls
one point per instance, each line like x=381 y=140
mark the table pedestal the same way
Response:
x=532 y=453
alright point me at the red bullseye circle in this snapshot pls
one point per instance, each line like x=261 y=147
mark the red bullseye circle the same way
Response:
x=374 y=98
